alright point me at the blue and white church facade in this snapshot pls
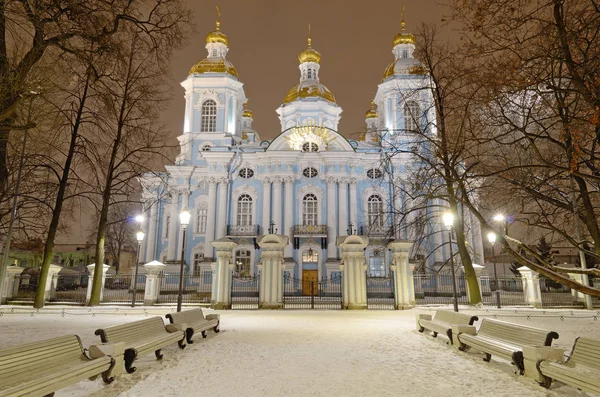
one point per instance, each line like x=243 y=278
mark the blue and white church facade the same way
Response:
x=309 y=183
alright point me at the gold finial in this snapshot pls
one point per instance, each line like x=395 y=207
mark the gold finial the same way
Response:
x=218 y=19
x=402 y=23
x=309 y=39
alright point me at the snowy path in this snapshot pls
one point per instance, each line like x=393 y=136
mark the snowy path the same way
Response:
x=303 y=353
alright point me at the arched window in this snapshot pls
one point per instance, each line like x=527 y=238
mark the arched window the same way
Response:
x=206 y=148
x=309 y=210
x=309 y=73
x=375 y=211
x=244 y=210
x=242 y=263
x=310 y=147
x=376 y=263
x=310 y=256
x=412 y=116
x=208 y=122
x=201 y=216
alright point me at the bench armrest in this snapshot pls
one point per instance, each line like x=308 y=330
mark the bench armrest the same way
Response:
x=422 y=317
x=461 y=329
x=177 y=327
x=534 y=354
x=114 y=350
x=213 y=317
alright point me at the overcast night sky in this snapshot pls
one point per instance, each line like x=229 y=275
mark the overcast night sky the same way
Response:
x=266 y=36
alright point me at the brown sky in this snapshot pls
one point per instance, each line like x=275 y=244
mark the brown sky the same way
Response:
x=266 y=36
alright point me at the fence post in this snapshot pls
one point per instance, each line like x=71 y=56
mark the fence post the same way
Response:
x=11 y=282
x=531 y=286
x=152 y=287
x=271 y=280
x=353 y=271
x=49 y=293
x=91 y=281
x=312 y=294
x=402 y=275
x=222 y=277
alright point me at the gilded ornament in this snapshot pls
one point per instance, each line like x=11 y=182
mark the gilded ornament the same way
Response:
x=214 y=65
x=318 y=90
x=372 y=113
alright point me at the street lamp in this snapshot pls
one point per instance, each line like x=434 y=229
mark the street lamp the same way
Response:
x=492 y=239
x=139 y=237
x=184 y=218
x=448 y=218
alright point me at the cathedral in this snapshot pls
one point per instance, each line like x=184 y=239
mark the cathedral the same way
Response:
x=309 y=183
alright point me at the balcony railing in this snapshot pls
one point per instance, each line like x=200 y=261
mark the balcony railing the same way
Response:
x=376 y=231
x=310 y=230
x=243 y=230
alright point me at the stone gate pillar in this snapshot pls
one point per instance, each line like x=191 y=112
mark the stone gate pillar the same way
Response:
x=152 y=288
x=11 y=282
x=353 y=269
x=531 y=286
x=91 y=281
x=403 y=280
x=51 y=280
x=272 y=267
x=221 y=287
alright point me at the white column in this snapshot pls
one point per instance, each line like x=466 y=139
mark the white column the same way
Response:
x=185 y=198
x=210 y=218
x=289 y=215
x=331 y=222
x=271 y=271
x=11 y=277
x=353 y=205
x=266 y=218
x=404 y=287
x=343 y=207
x=91 y=269
x=353 y=270
x=173 y=223
x=531 y=286
x=151 y=240
x=222 y=217
x=277 y=203
x=221 y=290
x=152 y=287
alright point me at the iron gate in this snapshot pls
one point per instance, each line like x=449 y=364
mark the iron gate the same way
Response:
x=308 y=294
x=244 y=292
x=380 y=293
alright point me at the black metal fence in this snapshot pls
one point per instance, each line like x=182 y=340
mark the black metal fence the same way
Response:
x=118 y=288
x=196 y=288
x=245 y=292
x=509 y=287
x=556 y=294
x=309 y=294
x=70 y=289
x=380 y=293
x=436 y=289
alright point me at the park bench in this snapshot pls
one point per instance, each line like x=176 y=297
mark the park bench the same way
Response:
x=141 y=337
x=196 y=322
x=443 y=322
x=506 y=340
x=41 y=368
x=581 y=370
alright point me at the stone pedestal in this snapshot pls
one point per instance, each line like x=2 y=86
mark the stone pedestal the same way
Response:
x=579 y=296
x=403 y=281
x=91 y=270
x=478 y=269
x=531 y=286
x=11 y=282
x=533 y=354
x=51 y=280
x=152 y=288
x=354 y=279
x=271 y=271
x=221 y=282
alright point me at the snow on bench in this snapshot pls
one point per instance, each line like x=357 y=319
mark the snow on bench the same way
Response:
x=41 y=368
x=581 y=370
x=141 y=337
x=443 y=322
x=504 y=339
x=196 y=322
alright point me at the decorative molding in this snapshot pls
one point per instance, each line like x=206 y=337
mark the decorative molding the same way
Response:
x=371 y=190
x=245 y=189
x=318 y=192
x=203 y=95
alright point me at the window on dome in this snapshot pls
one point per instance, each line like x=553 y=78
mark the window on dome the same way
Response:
x=310 y=172
x=206 y=148
x=246 y=173
x=404 y=53
x=208 y=122
x=309 y=73
x=412 y=115
x=374 y=173
x=310 y=147
x=214 y=52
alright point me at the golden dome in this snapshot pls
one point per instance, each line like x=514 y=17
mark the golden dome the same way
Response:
x=403 y=38
x=310 y=54
x=247 y=112
x=398 y=67
x=372 y=113
x=214 y=65
x=318 y=90
x=217 y=37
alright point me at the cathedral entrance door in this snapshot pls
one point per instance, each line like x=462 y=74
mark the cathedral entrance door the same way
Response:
x=310 y=282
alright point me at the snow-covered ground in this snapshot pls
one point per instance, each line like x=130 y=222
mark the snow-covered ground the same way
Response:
x=304 y=353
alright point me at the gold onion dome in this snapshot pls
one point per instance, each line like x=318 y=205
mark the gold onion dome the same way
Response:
x=247 y=112
x=310 y=54
x=372 y=113
x=217 y=36
x=403 y=37
x=214 y=65
x=317 y=90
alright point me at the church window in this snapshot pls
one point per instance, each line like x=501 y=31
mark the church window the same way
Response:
x=310 y=147
x=201 y=217
x=309 y=73
x=208 y=122
x=310 y=172
x=246 y=173
x=376 y=263
x=242 y=263
x=404 y=53
x=214 y=52
x=309 y=210
x=244 y=210
x=374 y=173
x=310 y=256
x=198 y=258
x=375 y=211
x=412 y=114
x=206 y=148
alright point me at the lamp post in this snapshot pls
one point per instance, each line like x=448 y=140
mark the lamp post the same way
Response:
x=448 y=218
x=139 y=237
x=492 y=239
x=184 y=218
x=502 y=218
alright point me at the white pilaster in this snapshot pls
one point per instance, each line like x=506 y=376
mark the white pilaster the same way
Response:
x=222 y=218
x=173 y=223
x=271 y=271
x=266 y=216
x=151 y=239
x=210 y=219
x=91 y=270
x=353 y=271
x=331 y=223
x=152 y=288
x=343 y=206
x=277 y=203
x=221 y=290
x=353 y=207
x=289 y=215
x=531 y=286
x=185 y=197
x=404 y=287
